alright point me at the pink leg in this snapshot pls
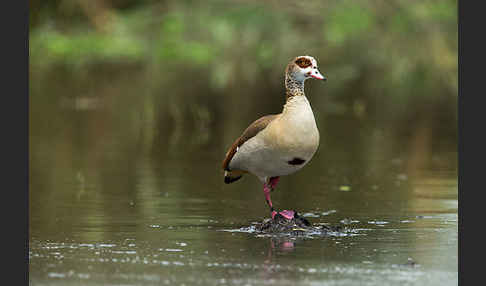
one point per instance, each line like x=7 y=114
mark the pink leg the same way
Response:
x=266 y=192
x=267 y=188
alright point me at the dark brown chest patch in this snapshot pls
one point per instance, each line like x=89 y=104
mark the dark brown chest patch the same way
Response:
x=296 y=161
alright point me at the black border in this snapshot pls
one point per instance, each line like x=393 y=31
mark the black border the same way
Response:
x=15 y=140
x=470 y=111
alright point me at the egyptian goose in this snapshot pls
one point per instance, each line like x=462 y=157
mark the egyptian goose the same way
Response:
x=278 y=144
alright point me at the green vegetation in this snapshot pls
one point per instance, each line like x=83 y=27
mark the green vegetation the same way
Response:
x=383 y=59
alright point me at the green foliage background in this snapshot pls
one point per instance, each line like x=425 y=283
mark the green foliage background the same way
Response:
x=390 y=62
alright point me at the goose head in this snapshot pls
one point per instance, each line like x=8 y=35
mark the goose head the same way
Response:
x=302 y=68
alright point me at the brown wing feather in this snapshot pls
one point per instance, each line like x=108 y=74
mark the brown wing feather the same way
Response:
x=252 y=130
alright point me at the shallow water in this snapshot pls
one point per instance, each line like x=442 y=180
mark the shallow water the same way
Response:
x=120 y=198
x=153 y=221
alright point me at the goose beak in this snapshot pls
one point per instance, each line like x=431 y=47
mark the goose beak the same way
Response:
x=317 y=75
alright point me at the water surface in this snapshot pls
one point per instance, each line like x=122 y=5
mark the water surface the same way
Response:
x=123 y=196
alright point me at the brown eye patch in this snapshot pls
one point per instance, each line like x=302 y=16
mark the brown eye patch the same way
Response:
x=303 y=62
